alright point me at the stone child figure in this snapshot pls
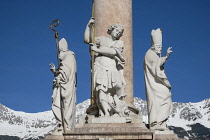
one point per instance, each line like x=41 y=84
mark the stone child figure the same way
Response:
x=108 y=71
x=158 y=88
x=64 y=88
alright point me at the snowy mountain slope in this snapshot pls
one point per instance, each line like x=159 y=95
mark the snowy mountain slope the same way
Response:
x=25 y=125
x=189 y=120
x=191 y=113
x=31 y=125
x=183 y=114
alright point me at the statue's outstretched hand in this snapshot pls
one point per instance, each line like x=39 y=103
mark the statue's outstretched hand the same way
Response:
x=91 y=21
x=169 y=50
x=53 y=69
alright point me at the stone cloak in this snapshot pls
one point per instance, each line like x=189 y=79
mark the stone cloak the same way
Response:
x=159 y=101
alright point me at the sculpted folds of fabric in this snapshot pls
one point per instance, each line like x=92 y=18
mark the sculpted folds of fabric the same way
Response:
x=158 y=88
x=158 y=95
x=64 y=91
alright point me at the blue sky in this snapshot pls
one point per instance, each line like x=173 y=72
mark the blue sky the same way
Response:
x=28 y=46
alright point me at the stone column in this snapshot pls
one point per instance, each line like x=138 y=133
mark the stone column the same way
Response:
x=108 y=12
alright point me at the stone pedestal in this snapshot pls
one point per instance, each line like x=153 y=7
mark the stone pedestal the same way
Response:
x=91 y=119
x=165 y=135
x=109 y=132
x=110 y=120
x=114 y=131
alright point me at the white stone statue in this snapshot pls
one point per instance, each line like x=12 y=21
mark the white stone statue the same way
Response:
x=108 y=69
x=158 y=88
x=64 y=88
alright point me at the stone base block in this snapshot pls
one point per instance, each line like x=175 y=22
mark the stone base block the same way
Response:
x=166 y=135
x=114 y=131
x=92 y=119
x=110 y=120
x=109 y=131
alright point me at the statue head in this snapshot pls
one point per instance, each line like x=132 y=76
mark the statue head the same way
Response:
x=116 y=31
x=63 y=45
x=156 y=40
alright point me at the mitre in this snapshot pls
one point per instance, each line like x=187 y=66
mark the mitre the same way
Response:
x=156 y=37
x=63 y=45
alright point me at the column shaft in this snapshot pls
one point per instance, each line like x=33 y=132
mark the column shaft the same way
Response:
x=108 y=12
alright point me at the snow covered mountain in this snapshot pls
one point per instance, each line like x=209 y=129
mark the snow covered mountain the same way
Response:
x=189 y=120
x=25 y=125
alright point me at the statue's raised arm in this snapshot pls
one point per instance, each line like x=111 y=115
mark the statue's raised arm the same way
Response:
x=87 y=35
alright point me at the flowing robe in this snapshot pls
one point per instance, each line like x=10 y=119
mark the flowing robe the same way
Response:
x=108 y=76
x=158 y=95
x=105 y=77
x=67 y=75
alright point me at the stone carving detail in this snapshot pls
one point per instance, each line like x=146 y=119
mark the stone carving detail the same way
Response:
x=157 y=85
x=108 y=69
x=64 y=88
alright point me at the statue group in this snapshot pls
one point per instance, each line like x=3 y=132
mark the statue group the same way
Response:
x=108 y=80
